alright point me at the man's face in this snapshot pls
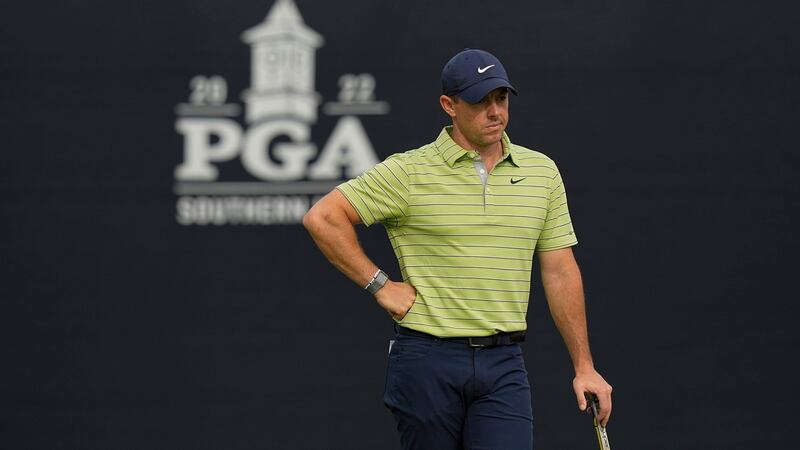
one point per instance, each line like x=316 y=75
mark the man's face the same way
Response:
x=482 y=124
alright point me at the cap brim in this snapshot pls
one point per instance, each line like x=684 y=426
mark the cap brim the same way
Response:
x=476 y=92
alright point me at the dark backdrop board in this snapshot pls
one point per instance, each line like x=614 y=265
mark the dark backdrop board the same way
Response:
x=673 y=124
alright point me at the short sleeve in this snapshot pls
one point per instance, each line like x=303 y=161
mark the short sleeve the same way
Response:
x=381 y=193
x=557 y=232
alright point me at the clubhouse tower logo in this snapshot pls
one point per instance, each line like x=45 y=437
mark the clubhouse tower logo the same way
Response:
x=284 y=172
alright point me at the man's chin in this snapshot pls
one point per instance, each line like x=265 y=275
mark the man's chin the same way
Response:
x=494 y=136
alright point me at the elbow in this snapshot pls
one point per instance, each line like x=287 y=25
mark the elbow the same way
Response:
x=325 y=215
x=311 y=219
x=319 y=217
x=560 y=274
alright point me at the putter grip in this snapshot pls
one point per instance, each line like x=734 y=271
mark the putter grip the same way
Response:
x=602 y=435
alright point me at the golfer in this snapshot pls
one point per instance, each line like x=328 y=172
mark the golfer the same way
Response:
x=465 y=215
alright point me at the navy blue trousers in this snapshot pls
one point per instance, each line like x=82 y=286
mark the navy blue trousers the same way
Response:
x=449 y=396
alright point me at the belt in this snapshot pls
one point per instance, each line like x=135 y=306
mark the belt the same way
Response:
x=481 y=341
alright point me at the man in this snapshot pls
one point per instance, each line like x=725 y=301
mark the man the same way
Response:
x=464 y=215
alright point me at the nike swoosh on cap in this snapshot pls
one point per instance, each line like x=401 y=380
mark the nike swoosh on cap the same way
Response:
x=484 y=69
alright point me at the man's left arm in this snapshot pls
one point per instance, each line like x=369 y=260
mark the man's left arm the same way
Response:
x=564 y=290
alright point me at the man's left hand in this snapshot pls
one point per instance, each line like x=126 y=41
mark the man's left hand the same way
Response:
x=591 y=381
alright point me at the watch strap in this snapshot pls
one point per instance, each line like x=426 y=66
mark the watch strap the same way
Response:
x=378 y=280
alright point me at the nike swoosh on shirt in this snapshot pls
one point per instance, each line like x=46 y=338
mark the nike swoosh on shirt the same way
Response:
x=484 y=69
x=513 y=181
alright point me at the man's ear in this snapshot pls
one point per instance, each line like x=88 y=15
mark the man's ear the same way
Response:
x=447 y=105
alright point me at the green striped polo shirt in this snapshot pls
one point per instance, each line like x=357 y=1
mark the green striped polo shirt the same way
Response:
x=467 y=247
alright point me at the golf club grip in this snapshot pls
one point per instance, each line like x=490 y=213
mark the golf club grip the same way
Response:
x=602 y=435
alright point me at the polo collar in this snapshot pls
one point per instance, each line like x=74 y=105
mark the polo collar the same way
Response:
x=451 y=151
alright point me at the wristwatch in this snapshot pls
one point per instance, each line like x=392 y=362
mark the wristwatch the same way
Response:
x=378 y=280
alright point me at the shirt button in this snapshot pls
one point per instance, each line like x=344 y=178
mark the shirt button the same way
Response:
x=483 y=171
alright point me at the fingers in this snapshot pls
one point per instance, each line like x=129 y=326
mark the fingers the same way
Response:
x=413 y=296
x=396 y=298
x=595 y=384
x=603 y=405
x=581 y=396
x=604 y=401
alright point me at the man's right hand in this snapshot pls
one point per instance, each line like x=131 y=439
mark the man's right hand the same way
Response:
x=396 y=298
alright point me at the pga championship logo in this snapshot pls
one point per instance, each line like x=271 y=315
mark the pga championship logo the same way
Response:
x=285 y=172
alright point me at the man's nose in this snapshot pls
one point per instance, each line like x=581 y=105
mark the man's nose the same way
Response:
x=492 y=108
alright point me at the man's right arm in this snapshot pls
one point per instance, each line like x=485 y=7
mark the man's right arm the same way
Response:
x=331 y=223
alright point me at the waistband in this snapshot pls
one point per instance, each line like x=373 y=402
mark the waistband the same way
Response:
x=481 y=341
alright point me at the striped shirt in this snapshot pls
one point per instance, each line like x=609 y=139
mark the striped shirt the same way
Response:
x=465 y=245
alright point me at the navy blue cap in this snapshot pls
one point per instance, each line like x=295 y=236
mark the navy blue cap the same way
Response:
x=472 y=74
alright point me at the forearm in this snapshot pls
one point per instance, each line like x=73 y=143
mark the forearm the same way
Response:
x=331 y=223
x=335 y=235
x=564 y=291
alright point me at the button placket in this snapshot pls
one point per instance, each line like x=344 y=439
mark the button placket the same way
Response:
x=480 y=168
